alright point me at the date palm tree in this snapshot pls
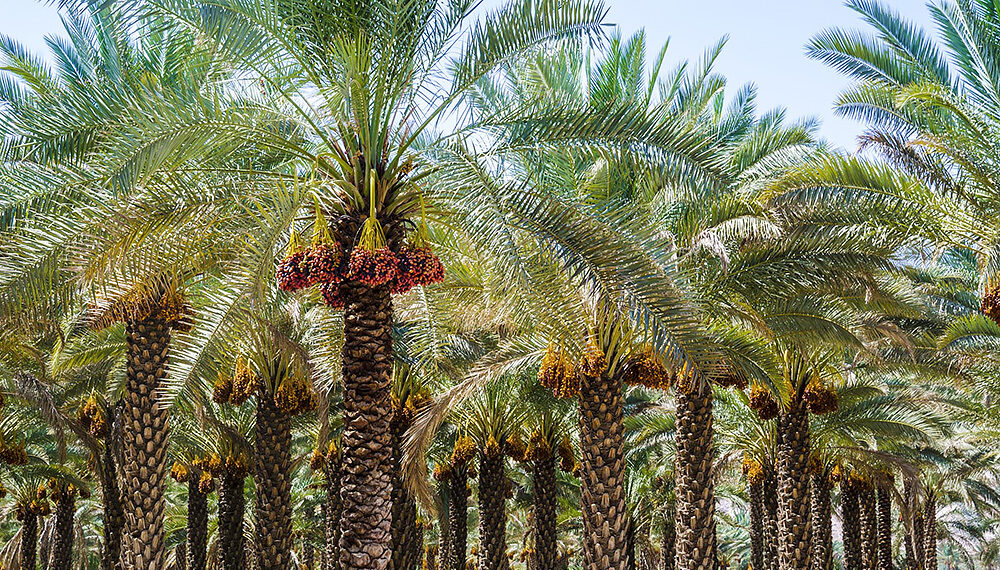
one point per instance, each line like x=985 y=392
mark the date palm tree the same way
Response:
x=490 y=421
x=344 y=54
x=142 y=293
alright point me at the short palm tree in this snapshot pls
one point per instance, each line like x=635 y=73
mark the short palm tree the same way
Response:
x=490 y=421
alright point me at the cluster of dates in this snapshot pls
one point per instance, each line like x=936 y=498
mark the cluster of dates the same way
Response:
x=567 y=460
x=33 y=508
x=14 y=455
x=645 y=369
x=753 y=470
x=239 y=388
x=762 y=402
x=321 y=458
x=141 y=304
x=820 y=399
x=990 y=305
x=558 y=373
x=329 y=263
x=92 y=417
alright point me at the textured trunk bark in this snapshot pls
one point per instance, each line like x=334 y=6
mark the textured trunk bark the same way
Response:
x=273 y=484
x=232 y=506
x=62 y=544
x=114 y=514
x=430 y=561
x=602 y=471
x=44 y=545
x=630 y=561
x=308 y=554
x=756 y=525
x=331 y=514
x=911 y=514
x=918 y=534
x=770 y=519
x=418 y=545
x=405 y=553
x=695 y=521
x=444 y=526
x=29 y=542
x=850 y=514
x=458 y=518
x=180 y=556
x=644 y=559
x=869 y=527
x=930 y=531
x=308 y=551
x=492 y=513
x=822 y=523
x=145 y=427
x=544 y=517
x=795 y=532
x=366 y=481
x=197 y=524
x=884 y=527
x=668 y=552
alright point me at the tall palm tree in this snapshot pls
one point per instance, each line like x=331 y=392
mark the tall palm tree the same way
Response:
x=344 y=55
x=371 y=74
x=145 y=297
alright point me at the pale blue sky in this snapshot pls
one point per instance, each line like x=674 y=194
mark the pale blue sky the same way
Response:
x=766 y=45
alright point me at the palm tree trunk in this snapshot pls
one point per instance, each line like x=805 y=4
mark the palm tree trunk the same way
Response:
x=884 y=527
x=308 y=553
x=430 y=561
x=197 y=524
x=180 y=556
x=756 y=525
x=418 y=544
x=444 y=526
x=695 y=520
x=332 y=514
x=44 y=544
x=62 y=548
x=113 y=511
x=366 y=485
x=29 y=541
x=145 y=426
x=912 y=519
x=630 y=544
x=492 y=513
x=458 y=518
x=770 y=518
x=273 y=484
x=668 y=552
x=544 y=515
x=404 y=507
x=850 y=514
x=822 y=523
x=930 y=531
x=645 y=559
x=795 y=532
x=869 y=527
x=919 y=527
x=602 y=470
x=232 y=506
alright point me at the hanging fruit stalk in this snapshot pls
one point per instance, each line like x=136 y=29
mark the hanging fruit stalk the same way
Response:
x=290 y=275
x=763 y=403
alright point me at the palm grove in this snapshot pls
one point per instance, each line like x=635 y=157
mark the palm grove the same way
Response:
x=352 y=284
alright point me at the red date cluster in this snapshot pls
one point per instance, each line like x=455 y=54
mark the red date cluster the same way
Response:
x=328 y=266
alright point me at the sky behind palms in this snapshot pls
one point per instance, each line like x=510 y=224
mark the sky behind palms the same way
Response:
x=766 y=43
